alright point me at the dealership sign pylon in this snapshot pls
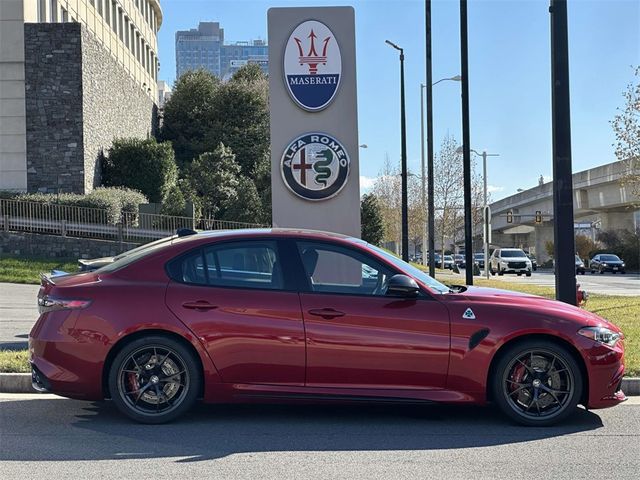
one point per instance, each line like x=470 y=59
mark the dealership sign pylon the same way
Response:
x=314 y=123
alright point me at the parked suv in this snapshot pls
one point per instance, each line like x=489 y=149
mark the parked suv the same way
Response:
x=509 y=260
x=606 y=262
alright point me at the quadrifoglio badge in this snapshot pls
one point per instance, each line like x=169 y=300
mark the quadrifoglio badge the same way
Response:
x=312 y=65
x=315 y=166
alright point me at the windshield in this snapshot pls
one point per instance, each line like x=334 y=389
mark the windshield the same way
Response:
x=609 y=258
x=413 y=271
x=512 y=253
x=448 y=258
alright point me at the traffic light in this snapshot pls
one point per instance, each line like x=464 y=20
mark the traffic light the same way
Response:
x=538 y=216
x=510 y=216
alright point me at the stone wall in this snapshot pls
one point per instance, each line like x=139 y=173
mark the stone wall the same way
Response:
x=52 y=246
x=53 y=101
x=114 y=106
x=78 y=99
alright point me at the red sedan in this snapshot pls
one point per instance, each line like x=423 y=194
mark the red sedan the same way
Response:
x=292 y=315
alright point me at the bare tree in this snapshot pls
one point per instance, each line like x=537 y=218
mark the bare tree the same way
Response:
x=417 y=211
x=448 y=191
x=626 y=126
x=387 y=188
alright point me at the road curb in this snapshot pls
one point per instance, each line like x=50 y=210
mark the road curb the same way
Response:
x=21 y=383
x=16 y=383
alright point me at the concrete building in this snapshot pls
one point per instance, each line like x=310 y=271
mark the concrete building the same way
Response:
x=600 y=202
x=164 y=93
x=74 y=75
x=204 y=47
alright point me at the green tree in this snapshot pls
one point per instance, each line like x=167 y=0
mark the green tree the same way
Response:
x=626 y=126
x=215 y=178
x=143 y=165
x=371 y=220
x=248 y=206
x=189 y=115
x=241 y=118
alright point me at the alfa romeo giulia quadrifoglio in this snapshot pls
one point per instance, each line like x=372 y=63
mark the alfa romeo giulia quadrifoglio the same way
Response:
x=303 y=316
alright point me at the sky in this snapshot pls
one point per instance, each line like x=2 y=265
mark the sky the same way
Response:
x=509 y=75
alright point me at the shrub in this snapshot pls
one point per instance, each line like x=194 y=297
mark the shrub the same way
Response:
x=624 y=243
x=144 y=165
x=114 y=201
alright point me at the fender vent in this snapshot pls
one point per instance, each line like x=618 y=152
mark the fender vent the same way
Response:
x=476 y=338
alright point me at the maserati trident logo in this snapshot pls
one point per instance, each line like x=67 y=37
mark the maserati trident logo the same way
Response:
x=312 y=65
x=315 y=166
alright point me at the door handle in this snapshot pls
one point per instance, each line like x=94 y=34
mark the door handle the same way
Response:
x=199 y=305
x=326 y=313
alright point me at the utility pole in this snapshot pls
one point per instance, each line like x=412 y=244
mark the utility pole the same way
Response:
x=431 y=207
x=562 y=180
x=466 y=144
x=423 y=179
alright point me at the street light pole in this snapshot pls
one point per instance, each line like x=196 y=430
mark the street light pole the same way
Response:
x=403 y=135
x=431 y=207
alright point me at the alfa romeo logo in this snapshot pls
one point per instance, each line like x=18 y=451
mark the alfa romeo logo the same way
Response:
x=315 y=166
x=312 y=65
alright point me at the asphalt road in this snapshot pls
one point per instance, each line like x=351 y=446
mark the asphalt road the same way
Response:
x=43 y=436
x=18 y=313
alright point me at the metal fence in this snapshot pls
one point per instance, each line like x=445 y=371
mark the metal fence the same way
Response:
x=73 y=221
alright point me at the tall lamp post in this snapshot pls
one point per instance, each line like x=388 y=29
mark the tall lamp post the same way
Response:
x=484 y=156
x=403 y=135
x=429 y=178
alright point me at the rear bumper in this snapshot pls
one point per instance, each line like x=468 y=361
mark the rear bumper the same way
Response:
x=61 y=362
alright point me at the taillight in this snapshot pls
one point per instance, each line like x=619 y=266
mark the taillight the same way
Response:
x=50 y=304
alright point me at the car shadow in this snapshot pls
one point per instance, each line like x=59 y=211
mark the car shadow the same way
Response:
x=56 y=430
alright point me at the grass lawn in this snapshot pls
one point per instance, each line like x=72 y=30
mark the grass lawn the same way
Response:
x=27 y=270
x=14 y=361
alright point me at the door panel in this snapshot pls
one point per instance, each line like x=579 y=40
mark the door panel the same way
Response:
x=377 y=342
x=252 y=336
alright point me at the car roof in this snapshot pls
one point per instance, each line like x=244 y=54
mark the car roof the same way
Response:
x=265 y=232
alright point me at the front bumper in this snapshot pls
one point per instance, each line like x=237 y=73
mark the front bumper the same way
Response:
x=606 y=369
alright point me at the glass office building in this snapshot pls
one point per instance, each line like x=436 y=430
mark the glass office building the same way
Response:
x=204 y=48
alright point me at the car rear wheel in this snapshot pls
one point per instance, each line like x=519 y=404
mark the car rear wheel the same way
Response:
x=154 y=379
x=537 y=383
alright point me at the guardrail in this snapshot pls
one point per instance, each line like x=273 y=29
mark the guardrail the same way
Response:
x=86 y=222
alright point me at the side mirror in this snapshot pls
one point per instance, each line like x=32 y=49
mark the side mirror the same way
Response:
x=402 y=286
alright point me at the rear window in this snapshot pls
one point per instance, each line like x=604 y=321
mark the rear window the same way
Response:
x=134 y=255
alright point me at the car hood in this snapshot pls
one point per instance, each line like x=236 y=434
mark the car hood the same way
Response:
x=533 y=304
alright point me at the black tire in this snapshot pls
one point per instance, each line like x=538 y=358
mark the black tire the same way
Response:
x=500 y=273
x=557 y=394
x=601 y=271
x=528 y=274
x=623 y=272
x=592 y=272
x=137 y=374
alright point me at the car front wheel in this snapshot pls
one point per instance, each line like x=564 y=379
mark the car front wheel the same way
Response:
x=537 y=383
x=154 y=379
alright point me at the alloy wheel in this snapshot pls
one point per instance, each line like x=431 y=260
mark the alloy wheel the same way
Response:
x=153 y=380
x=538 y=384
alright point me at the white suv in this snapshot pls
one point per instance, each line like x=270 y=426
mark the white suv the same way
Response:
x=509 y=260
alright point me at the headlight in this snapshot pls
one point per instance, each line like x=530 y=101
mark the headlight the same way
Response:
x=601 y=334
x=622 y=265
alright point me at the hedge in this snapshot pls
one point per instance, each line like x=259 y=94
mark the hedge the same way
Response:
x=114 y=201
